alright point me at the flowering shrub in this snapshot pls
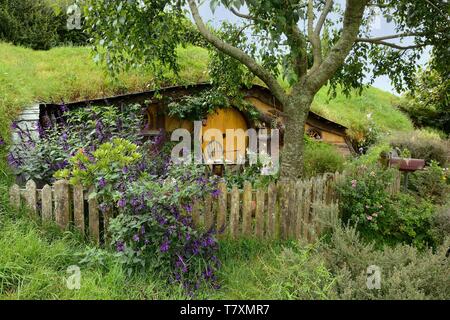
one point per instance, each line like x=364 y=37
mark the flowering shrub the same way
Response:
x=364 y=199
x=40 y=157
x=432 y=183
x=151 y=229
x=380 y=216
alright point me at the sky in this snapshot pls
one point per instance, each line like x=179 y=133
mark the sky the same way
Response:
x=380 y=28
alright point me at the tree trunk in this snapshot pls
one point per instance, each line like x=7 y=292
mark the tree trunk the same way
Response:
x=292 y=156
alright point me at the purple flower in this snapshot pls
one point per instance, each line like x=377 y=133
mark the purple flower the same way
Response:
x=13 y=162
x=216 y=193
x=102 y=183
x=164 y=246
x=354 y=183
x=103 y=207
x=40 y=130
x=125 y=170
x=188 y=208
x=146 y=241
x=120 y=246
x=122 y=203
x=63 y=108
x=142 y=230
x=136 y=238
x=14 y=126
x=2 y=142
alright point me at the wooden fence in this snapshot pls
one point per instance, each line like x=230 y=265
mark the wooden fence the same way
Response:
x=287 y=209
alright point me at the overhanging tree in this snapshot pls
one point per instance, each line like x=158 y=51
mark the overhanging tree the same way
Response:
x=308 y=43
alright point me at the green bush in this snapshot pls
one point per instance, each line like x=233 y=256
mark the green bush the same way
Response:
x=408 y=221
x=406 y=272
x=381 y=217
x=441 y=223
x=321 y=158
x=422 y=145
x=431 y=183
x=36 y=24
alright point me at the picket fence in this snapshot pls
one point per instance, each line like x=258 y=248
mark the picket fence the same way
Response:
x=287 y=209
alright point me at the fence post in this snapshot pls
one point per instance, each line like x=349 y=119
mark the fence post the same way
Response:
x=31 y=196
x=208 y=212
x=62 y=209
x=47 y=203
x=14 y=196
x=247 y=209
x=94 y=223
x=292 y=219
x=78 y=207
x=306 y=209
x=260 y=206
x=271 y=210
x=234 y=212
x=222 y=208
x=284 y=188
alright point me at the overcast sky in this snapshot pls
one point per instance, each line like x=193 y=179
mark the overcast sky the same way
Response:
x=381 y=27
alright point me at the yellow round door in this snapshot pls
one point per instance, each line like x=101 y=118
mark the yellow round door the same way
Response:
x=224 y=136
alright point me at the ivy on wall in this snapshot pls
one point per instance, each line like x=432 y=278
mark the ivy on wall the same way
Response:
x=198 y=107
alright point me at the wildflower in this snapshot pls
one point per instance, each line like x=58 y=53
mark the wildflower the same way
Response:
x=164 y=246
x=2 y=142
x=125 y=170
x=375 y=215
x=216 y=193
x=14 y=126
x=372 y=174
x=122 y=203
x=102 y=183
x=103 y=207
x=188 y=208
x=136 y=238
x=142 y=230
x=369 y=218
x=120 y=246
x=63 y=108
x=354 y=182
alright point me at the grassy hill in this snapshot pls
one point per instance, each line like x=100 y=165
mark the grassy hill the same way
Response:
x=69 y=73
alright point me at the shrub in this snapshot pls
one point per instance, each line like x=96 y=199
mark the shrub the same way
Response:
x=406 y=272
x=379 y=216
x=441 y=223
x=408 y=221
x=364 y=198
x=422 y=145
x=38 y=158
x=151 y=230
x=321 y=158
x=36 y=24
x=431 y=183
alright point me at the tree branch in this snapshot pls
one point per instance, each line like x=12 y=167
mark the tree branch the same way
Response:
x=238 y=54
x=352 y=21
x=323 y=16
x=313 y=37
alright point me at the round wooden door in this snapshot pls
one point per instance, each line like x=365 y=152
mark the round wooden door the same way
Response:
x=224 y=125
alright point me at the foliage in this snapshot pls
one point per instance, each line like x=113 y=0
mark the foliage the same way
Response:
x=84 y=129
x=321 y=158
x=364 y=134
x=37 y=24
x=421 y=145
x=441 y=223
x=364 y=198
x=432 y=183
x=406 y=272
x=428 y=104
x=198 y=107
x=381 y=217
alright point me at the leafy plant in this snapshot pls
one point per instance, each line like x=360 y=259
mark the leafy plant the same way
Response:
x=321 y=158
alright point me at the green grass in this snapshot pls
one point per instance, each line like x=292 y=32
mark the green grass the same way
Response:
x=354 y=109
x=69 y=73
